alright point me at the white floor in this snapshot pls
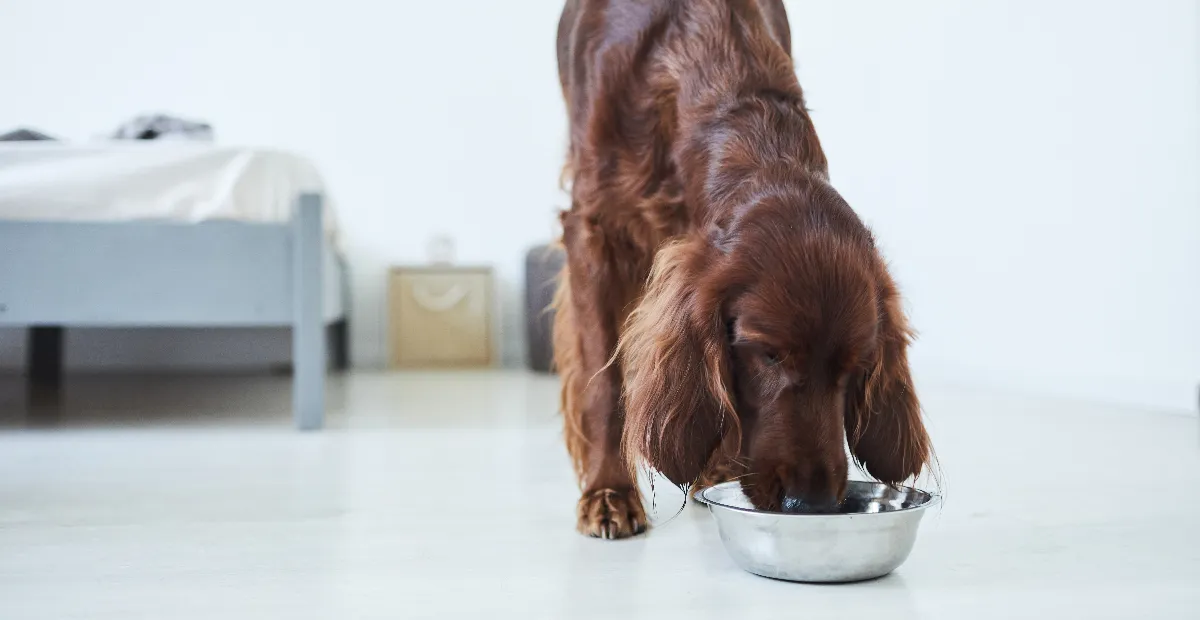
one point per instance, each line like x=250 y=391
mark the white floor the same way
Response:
x=450 y=496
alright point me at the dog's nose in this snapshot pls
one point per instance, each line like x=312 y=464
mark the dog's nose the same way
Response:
x=812 y=503
x=810 y=498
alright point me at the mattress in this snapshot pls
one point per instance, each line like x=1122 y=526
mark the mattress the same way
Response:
x=172 y=181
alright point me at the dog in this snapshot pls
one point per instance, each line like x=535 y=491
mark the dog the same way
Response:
x=722 y=312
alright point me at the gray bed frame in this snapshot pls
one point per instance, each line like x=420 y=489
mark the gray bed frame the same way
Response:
x=55 y=275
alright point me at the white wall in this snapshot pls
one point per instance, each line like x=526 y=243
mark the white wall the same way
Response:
x=1029 y=165
x=1031 y=169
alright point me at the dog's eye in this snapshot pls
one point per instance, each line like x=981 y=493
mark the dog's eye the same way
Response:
x=771 y=358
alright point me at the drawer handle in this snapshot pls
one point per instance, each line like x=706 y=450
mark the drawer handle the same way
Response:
x=439 y=303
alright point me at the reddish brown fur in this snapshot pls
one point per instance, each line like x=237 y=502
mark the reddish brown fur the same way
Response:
x=752 y=321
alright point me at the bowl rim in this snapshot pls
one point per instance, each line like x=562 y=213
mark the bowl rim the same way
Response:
x=933 y=500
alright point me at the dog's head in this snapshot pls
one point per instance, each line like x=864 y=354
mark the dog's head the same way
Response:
x=782 y=325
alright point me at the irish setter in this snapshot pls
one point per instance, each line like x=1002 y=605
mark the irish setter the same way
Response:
x=723 y=312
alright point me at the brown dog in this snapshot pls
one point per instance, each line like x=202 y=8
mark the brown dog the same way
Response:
x=754 y=325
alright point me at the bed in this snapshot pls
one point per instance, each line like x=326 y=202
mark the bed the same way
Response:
x=172 y=235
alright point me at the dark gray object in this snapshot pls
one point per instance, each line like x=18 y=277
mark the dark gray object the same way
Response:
x=25 y=135
x=542 y=265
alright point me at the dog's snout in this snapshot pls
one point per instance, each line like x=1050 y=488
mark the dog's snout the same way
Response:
x=796 y=488
x=810 y=501
x=818 y=490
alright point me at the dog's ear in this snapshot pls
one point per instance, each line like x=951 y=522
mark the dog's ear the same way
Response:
x=882 y=413
x=676 y=366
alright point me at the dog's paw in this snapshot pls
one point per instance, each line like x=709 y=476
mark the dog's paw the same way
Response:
x=611 y=514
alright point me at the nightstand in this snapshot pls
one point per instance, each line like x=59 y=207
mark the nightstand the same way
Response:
x=440 y=316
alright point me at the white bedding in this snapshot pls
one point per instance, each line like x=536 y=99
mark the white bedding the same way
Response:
x=174 y=181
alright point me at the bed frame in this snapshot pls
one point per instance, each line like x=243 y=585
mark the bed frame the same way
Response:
x=167 y=274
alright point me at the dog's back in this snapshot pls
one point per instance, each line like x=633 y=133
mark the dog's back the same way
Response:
x=634 y=73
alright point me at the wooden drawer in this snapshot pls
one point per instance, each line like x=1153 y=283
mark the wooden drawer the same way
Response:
x=440 y=316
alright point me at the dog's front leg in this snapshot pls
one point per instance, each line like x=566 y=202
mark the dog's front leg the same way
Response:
x=599 y=294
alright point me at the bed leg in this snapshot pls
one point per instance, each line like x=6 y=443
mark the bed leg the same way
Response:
x=45 y=352
x=340 y=340
x=308 y=327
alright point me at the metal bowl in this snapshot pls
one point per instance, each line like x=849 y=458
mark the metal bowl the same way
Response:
x=870 y=536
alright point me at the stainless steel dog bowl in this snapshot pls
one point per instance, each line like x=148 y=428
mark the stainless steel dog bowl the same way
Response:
x=871 y=534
